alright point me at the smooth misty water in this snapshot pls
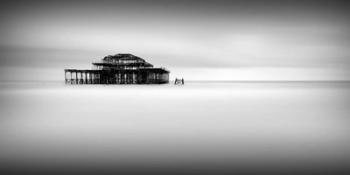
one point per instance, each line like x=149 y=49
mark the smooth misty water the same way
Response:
x=240 y=124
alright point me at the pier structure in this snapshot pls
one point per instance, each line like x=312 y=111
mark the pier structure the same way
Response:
x=118 y=69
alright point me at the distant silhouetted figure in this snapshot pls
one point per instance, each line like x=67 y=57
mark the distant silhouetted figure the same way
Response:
x=179 y=81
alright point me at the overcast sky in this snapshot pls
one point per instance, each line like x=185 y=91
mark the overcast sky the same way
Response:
x=216 y=40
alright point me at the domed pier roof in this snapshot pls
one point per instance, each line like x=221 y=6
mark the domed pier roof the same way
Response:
x=122 y=60
x=122 y=56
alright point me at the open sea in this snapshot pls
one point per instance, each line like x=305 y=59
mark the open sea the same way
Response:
x=200 y=127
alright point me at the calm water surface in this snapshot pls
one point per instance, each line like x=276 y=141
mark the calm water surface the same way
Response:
x=217 y=124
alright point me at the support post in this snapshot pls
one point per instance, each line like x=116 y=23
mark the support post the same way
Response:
x=81 y=78
x=76 y=77
x=65 y=76
x=71 y=77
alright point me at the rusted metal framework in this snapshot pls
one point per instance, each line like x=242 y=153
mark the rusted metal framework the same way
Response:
x=118 y=69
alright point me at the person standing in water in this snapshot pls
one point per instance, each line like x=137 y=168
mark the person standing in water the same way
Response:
x=179 y=81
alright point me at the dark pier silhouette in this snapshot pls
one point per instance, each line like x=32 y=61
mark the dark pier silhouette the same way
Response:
x=118 y=69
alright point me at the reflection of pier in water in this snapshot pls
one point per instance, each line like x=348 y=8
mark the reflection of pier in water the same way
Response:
x=118 y=69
